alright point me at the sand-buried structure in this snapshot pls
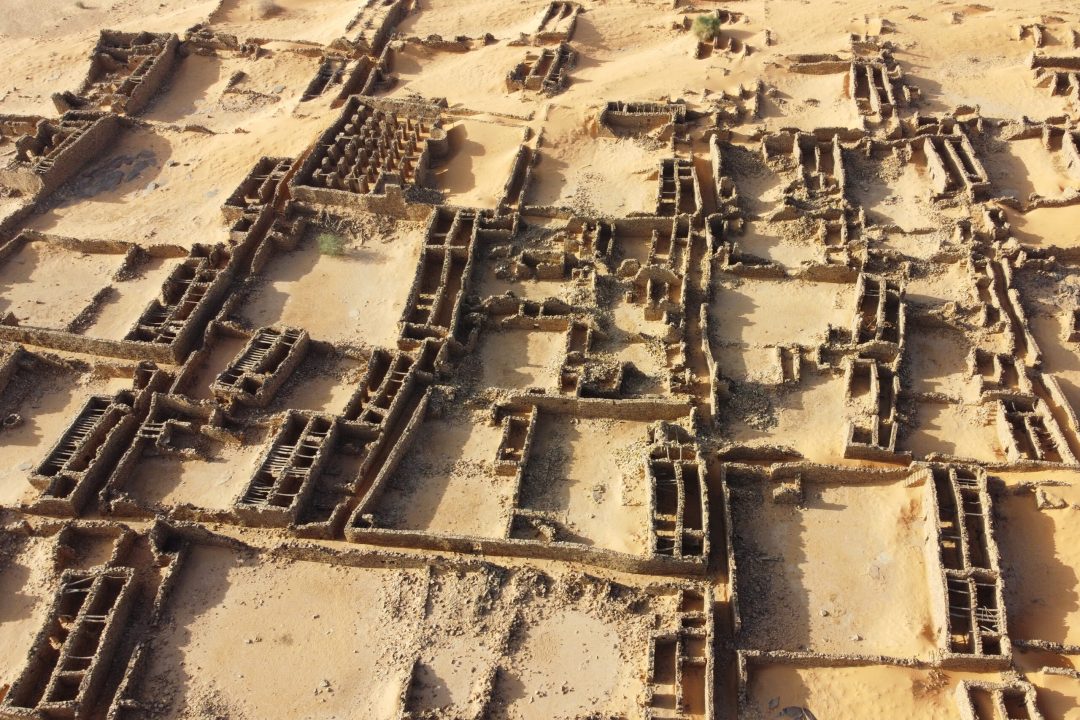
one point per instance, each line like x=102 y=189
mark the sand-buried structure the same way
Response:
x=704 y=389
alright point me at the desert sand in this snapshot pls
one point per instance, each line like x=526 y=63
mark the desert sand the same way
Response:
x=539 y=360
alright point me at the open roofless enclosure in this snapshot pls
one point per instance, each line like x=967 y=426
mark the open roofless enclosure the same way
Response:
x=539 y=360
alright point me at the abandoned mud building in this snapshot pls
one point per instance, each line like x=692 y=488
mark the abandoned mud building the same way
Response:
x=473 y=359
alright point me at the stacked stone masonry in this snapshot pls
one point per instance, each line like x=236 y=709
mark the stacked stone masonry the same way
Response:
x=430 y=353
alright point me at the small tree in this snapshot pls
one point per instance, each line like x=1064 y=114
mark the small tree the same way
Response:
x=330 y=243
x=707 y=27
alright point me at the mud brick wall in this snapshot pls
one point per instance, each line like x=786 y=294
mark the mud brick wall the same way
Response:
x=100 y=131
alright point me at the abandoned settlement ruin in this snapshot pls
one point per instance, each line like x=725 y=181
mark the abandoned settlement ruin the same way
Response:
x=536 y=359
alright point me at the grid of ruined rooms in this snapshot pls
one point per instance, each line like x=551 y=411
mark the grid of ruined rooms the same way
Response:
x=681 y=374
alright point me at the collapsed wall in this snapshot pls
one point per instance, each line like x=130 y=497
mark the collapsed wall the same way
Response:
x=91 y=644
x=878 y=334
x=655 y=268
x=969 y=585
x=954 y=166
x=126 y=72
x=545 y=71
x=189 y=297
x=557 y=23
x=1058 y=74
x=56 y=150
x=81 y=460
x=986 y=700
x=678 y=528
x=288 y=488
x=1034 y=421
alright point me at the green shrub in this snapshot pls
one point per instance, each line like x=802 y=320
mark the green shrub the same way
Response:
x=707 y=27
x=331 y=243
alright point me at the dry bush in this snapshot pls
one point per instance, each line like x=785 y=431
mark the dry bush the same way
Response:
x=266 y=8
